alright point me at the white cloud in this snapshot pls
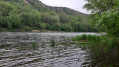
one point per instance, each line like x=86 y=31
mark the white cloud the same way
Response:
x=74 y=4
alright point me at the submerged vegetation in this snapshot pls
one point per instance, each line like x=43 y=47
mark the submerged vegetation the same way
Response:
x=34 y=45
x=53 y=43
x=104 y=52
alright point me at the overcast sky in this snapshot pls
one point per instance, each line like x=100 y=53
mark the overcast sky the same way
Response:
x=74 y=4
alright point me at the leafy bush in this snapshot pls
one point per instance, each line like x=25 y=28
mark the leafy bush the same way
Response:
x=111 y=23
x=100 y=48
x=86 y=37
x=83 y=37
x=76 y=38
x=93 y=37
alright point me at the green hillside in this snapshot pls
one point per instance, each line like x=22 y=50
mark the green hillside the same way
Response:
x=27 y=15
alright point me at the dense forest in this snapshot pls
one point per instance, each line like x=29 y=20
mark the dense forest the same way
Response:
x=105 y=15
x=27 y=15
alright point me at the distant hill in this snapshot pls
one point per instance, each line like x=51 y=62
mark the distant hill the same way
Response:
x=26 y=15
x=38 y=5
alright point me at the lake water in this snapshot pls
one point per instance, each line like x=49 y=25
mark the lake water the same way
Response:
x=16 y=50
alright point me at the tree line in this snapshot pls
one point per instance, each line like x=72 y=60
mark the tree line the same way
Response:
x=13 y=16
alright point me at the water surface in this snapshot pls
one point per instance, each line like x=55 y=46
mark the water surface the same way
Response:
x=16 y=50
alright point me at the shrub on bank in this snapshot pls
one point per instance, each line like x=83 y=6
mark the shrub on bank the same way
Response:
x=83 y=37
x=103 y=49
x=93 y=37
x=76 y=38
x=100 y=47
x=86 y=37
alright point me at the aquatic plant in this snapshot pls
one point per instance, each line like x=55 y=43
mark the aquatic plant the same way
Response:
x=76 y=38
x=110 y=65
x=93 y=37
x=53 y=43
x=6 y=48
x=19 y=49
x=34 y=45
x=86 y=37
x=83 y=37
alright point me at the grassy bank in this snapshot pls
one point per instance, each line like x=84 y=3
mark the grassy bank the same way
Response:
x=86 y=38
x=103 y=49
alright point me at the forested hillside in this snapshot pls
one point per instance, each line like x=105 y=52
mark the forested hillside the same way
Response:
x=27 y=15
